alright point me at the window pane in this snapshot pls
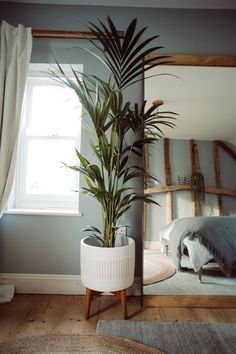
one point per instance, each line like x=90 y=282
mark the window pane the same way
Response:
x=50 y=132
x=45 y=173
x=55 y=110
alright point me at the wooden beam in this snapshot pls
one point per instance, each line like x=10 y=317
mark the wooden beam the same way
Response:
x=195 y=212
x=221 y=191
x=169 y=207
x=227 y=149
x=164 y=189
x=178 y=187
x=167 y=162
x=192 y=156
x=200 y=60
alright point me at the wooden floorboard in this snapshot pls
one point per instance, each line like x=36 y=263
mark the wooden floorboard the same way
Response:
x=190 y=301
x=28 y=315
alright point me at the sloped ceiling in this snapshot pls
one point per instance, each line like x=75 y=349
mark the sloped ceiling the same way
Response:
x=203 y=97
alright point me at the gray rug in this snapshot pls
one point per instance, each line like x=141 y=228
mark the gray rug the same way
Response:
x=176 y=338
x=214 y=282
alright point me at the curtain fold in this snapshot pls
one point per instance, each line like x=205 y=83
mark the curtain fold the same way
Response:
x=15 y=52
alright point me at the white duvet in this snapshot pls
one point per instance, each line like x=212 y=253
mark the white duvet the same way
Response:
x=198 y=254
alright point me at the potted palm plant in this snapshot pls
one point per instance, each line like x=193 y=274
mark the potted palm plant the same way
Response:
x=120 y=130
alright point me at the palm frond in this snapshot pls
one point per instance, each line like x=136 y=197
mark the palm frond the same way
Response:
x=118 y=129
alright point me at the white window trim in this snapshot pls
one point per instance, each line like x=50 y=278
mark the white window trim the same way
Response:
x=50 y=212
x=44 y=208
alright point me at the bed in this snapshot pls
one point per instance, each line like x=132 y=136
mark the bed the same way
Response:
x=203 y=239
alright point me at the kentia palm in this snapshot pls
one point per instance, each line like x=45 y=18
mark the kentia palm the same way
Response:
x=120 y=129
x=114 y=119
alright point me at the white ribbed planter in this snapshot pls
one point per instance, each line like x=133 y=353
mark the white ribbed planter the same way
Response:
x=107 y=269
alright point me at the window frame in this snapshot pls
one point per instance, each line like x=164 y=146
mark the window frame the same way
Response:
x=21 y=201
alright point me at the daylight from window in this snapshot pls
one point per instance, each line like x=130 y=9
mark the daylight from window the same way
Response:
x=50 y=133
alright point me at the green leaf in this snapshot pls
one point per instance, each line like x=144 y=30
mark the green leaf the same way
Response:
x=119 y=129
x=92 y=228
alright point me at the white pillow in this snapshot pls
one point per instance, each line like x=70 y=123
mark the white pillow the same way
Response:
x=198 y=254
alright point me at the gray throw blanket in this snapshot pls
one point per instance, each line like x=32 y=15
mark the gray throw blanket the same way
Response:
x=216 y=233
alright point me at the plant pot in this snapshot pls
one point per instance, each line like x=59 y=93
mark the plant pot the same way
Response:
x=107 y=269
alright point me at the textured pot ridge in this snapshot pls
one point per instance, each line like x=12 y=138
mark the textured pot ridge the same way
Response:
x=107 y=268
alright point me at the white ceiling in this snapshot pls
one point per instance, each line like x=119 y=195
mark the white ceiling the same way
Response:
x=204 y=98
x=188 y=4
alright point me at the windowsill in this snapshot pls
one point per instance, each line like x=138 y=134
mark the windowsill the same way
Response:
x=47 y=212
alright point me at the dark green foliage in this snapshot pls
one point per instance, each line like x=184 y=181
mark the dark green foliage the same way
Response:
x=120 y=129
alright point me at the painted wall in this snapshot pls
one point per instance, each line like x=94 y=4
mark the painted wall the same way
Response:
x=50 y=244
x=180 y=162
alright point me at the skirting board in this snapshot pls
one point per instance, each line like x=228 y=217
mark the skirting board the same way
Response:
x=54 y=284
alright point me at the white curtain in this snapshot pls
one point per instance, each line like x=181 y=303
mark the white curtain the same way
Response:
x=16 y=45
x=15 y=51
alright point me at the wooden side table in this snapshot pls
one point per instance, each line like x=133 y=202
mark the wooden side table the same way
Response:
x=121 y=294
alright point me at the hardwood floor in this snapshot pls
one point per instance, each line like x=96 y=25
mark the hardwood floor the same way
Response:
x=30 y=315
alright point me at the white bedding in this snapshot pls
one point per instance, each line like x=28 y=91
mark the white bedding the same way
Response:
x=198 y=254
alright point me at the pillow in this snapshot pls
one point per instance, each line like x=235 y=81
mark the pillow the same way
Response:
x=198 y=254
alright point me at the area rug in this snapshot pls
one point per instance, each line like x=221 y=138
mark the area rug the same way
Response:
x=214 y=282
x=176 y=338
x=155 y=270
x=80 y=343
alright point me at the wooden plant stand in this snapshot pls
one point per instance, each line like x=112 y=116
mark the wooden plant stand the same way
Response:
x=121 y=294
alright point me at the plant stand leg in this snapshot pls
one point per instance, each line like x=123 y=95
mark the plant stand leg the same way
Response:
x=121 y=294
x=123 y=303
x=89 y=296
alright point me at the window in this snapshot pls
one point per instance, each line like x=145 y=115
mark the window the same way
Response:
x=50 y=132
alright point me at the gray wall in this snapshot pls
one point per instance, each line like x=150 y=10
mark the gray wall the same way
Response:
x=180 y=162
x=50 y=244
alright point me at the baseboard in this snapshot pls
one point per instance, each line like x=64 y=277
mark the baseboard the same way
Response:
x=54 y=284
